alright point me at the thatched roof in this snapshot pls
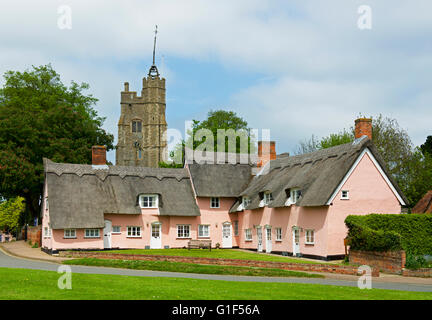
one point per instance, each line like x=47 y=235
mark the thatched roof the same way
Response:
x=317 y=174
x=80 y=195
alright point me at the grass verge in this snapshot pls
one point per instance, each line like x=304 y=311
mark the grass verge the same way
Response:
x=216 y=253
x=39 y=285
x=190 y=268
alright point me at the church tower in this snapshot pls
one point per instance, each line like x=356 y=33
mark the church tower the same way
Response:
x=142 y=125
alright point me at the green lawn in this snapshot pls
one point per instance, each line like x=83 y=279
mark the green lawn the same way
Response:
x=36 y=284
x=216 y=253
x=190 y=268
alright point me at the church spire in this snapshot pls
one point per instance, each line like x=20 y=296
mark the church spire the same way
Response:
x=153 y=72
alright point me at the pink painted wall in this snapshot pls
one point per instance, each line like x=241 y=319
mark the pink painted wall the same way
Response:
x=46 y=241
x=368 y=193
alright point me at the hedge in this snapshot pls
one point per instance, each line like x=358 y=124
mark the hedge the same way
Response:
x=386 y=232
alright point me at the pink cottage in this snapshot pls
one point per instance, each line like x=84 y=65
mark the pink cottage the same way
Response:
x=294 y=206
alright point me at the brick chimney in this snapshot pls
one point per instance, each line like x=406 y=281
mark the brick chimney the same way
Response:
x=363 y=127
x=98 y=155
x=266 y=152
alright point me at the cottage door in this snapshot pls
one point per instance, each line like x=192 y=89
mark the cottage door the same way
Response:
x=156 y=236
x=268 y=240
x=260 y=240
x=296 y=242
x=226 y=235
x=107 y=234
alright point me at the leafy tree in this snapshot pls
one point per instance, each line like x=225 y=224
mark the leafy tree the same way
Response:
x=41 y=117
x=10 y=212
x=205 y=133
x=427 y=146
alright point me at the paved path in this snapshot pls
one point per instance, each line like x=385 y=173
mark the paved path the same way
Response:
x=9 y=261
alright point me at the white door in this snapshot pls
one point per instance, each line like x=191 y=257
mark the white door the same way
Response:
x=226 y=235
x=260 y=242
x=156 y=236
x=296 y=242
x=107 y=234
x=268 y=240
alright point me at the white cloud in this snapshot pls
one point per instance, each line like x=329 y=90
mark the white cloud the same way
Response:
x=318 y=69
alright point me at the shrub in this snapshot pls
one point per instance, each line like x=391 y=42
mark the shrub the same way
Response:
x=415 y=262
x=384 y=232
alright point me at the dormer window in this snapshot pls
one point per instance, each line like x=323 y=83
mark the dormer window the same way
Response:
x=136 y=126
x=246 y=201
x=294 y=196
x=268 y=196
x=149 y=201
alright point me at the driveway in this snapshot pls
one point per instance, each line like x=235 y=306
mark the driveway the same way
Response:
x=9 y=261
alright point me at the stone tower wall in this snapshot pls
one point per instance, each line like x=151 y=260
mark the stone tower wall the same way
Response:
x=149 y=108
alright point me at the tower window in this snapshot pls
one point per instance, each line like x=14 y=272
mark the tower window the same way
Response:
x=136 y=126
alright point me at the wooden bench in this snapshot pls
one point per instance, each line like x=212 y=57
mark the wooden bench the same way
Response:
x=198 y=244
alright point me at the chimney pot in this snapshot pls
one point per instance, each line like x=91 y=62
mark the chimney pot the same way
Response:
x=98 y=155
x=363 y=127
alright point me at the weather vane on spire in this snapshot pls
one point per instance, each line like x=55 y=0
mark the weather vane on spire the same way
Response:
x=153 y=72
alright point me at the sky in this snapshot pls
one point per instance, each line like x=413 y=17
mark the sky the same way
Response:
x=295 y=67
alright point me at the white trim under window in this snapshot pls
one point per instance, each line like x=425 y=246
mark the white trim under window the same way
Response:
x=149 y=201
x=203 y=231
x=248 y=234
x=116 y=230
x=91 y=233
x=278 y=234
x=69 y=233
x=345 y=195
x=183 y=231
x=310 y=236
x=133 y=232
x=214 y=202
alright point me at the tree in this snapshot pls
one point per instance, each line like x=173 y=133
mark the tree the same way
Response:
x=10 y=212
x=205 y=133
x=41 y=117
x=427 y=146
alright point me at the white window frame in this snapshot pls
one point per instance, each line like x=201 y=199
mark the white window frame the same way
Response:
x=214 y=199
x=91 y=233
x=116 y=232
x=246 y=201
x=278 y=234
x=133 y=229
x=346 y=197
x=201 y=228
x=68 y=234
x=183 y=227
x=308 y=236
x=268 y=197
x=47 y=232
x=236 y=228
x=248 y=234
x=155 y=201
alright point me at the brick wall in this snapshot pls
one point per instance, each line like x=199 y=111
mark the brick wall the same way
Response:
x=424 y=273
x=388 y=262
x=330 y=268
x=34 y=235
